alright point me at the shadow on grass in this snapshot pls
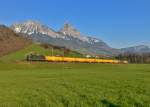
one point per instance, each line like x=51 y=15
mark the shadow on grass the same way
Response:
x=109 y=104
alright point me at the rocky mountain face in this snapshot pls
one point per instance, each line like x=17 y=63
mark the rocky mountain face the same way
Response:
x=72 y=32
x=31 y=27
x=136 y=49
x=10 y=41
x=67 y=36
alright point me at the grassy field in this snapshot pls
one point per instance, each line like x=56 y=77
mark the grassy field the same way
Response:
x=74 y=85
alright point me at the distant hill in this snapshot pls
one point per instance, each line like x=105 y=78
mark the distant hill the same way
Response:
x=10 y=41
x=67 y=36
x=136 y=49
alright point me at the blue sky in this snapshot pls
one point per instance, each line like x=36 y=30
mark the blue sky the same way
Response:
x=120 y=23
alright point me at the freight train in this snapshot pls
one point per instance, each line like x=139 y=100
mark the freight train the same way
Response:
x=71 y=59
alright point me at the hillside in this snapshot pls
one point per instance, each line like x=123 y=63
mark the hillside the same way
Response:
x=20 y=55
x=10 y=41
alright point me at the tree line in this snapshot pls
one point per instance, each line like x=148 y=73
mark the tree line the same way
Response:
x=135 y=58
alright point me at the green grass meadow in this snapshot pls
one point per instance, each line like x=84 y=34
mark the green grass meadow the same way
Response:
x=74 y=85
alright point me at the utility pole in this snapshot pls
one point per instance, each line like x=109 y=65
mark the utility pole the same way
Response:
x=63 y=51
x=52 y=51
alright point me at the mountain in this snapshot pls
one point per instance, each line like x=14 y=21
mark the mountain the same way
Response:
x=10 y=41
x=136 y=49
x=67 y=36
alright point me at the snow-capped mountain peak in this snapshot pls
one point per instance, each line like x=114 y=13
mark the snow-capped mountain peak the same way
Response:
x=73 y=32
x=33 y=27
x=70 y=30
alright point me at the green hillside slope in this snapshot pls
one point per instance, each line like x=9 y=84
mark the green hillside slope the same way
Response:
x=38 y=49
